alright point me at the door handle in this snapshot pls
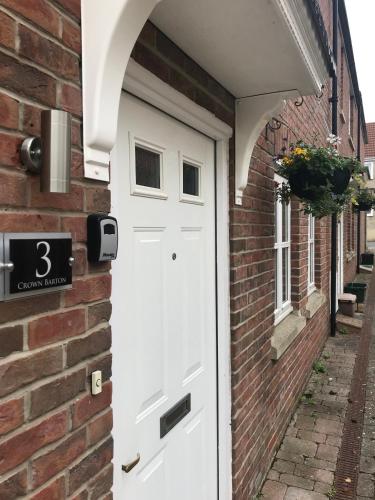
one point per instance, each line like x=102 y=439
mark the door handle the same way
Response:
x=128 y=467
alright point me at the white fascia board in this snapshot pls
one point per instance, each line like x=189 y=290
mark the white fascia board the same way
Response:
x=300 y=27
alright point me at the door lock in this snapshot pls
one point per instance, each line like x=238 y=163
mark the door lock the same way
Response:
x=128 y=467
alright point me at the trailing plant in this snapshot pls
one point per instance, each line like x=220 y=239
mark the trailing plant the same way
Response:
x=365 y=200
x=324 y=180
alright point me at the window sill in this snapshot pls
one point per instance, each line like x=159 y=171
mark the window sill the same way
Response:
x=285 y=333
x=314 y=303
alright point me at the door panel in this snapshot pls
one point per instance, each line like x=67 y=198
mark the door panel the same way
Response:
x=149 y=331
x=164 y=309
x=192 y=304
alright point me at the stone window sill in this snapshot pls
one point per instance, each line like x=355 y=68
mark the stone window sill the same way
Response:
x=285 y=333
x=314 y=302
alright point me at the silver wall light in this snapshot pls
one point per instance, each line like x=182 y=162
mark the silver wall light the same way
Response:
x=51 y=154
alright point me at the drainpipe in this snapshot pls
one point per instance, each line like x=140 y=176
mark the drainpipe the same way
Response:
x=359 y=213
x=334 y=101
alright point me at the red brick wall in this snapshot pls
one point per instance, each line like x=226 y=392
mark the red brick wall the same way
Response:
x=54 y=436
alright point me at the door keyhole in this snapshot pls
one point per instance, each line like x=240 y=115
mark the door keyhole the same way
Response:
x=174 y=256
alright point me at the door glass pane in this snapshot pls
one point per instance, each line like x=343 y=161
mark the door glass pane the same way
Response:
x=190 y=179
x=285 y=274
x=285 y=228
x=147 y=168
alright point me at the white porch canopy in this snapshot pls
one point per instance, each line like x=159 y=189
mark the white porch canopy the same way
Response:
x=251 y=47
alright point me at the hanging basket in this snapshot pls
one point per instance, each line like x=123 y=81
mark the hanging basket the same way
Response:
x=340 y=180
x=306 y=184
x=364 y=206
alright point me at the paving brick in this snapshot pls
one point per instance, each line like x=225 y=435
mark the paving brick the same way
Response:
x=327 y=452
x=312 y=436
x=291 y=457
x=283 y=466
x=273 y=475
x=333 y=441
x=299 y=482
x=320 y=464
x=314 y=474
x=273 y=490
x=306 y=423
x=368 y=464
x=366 y=486
x=299 y=494
x=324 y=488
x=328 y=427
x=299 y=447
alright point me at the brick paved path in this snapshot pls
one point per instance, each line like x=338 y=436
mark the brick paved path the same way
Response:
x=305 y=463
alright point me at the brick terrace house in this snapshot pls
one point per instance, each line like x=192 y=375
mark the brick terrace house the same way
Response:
x=207 y=324
x=370 y=163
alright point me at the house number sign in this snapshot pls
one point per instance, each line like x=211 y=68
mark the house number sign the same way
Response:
x=34 y=263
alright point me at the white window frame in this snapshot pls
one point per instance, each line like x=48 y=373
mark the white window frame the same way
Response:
x=351 y=114
x=282 y=308
x=188 y=198
x=370 y=165
x=138 y=189
x=311 y=255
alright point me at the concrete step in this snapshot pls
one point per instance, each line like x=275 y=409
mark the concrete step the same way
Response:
x=366 y=269
x=351 y=325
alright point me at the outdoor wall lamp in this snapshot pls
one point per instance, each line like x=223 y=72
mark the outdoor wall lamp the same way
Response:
x=50 y=155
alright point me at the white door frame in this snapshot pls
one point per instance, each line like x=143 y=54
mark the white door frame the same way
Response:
x=145 y=85
x=340 y=253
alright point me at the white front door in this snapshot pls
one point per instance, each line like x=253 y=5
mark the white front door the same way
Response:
x=164 y=308
x=340 y=255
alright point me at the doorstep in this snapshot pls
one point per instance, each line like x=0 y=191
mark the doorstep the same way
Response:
x=351 y=325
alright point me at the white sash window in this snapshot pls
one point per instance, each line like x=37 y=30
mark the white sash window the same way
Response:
x=311 y=255
x=283 y=304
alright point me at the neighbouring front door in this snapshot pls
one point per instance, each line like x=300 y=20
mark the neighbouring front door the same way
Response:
x=164 y=308
x=340 y=256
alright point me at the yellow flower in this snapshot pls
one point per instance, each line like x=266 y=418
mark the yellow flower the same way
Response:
x=300 y=152
x=287 y=161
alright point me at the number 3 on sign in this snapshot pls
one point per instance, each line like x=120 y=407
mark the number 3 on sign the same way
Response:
x=45 y=258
